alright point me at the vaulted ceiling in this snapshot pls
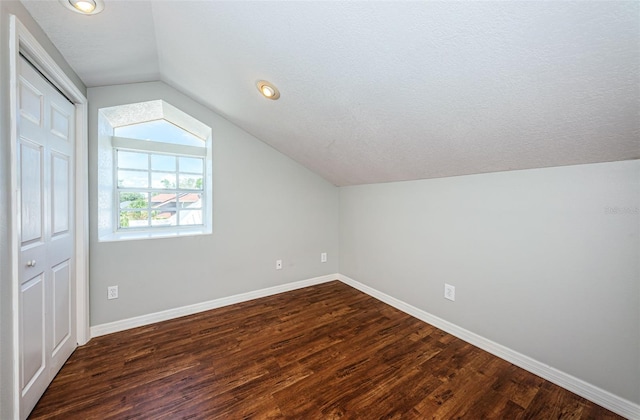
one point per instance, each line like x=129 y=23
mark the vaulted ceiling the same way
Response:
x=384 y=91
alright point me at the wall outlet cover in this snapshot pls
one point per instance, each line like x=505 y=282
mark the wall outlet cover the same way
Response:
x=449 y=292
x=112 y=292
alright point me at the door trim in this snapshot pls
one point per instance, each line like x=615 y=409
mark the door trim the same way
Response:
x=22 y=41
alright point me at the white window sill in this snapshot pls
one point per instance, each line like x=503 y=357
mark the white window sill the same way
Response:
x=137 y=235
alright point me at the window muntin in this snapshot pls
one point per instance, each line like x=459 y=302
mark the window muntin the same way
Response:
x=156 y=190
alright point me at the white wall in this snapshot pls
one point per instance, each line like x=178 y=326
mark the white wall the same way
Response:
x=265 y=207
x=7 y=8
x=545 y=262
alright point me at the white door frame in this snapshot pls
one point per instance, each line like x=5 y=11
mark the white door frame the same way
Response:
x=21 y=41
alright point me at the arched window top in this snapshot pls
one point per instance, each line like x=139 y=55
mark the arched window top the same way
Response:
x=156 y=121
x=159 y=130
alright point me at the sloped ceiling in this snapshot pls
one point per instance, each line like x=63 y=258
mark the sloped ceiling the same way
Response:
x=385 y=91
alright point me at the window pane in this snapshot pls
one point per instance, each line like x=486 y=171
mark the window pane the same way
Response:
x=190 y=217
x=133 y=160
x=163 y=211
x=163 y=180
x=163 y=199
x=163 y=163
x=134 y=200
x=190 y=200
x=190 y=182
x=134 y=219
x=133 y=179
x=188 y=164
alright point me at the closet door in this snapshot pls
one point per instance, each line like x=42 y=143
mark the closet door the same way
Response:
x=46 y=237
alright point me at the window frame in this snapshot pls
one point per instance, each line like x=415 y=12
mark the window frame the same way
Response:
x=108 y=212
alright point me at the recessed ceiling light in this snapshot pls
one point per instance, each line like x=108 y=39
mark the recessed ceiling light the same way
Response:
x=85 y=7
x=268 y=90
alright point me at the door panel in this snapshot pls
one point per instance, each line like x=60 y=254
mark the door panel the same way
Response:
x=31 y=102
x=60 y=193
x=46 y=237
x=32 y=194
x=32 y=330
x=61 y=276
x=60 y=123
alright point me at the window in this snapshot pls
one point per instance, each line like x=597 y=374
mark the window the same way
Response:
x=158 y=189
x=154 y=174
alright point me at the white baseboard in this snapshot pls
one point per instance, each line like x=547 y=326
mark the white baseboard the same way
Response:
x=142 y=320
x=591 y=392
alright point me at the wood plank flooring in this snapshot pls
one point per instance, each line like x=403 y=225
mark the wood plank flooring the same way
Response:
x=323 y=352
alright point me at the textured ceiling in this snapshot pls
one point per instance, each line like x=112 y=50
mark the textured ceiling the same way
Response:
x=385 y=91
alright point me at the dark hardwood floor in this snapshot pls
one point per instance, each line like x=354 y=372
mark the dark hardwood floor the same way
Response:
x=322 y=352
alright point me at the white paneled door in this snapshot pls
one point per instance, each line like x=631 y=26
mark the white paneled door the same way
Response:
x=46 y=133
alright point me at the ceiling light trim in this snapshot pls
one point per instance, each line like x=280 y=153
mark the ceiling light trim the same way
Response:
x=73 y=6
x=268 y=90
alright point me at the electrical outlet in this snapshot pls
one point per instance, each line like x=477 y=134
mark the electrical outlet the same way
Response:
x=278 y=264
x=112 y=292
x=323 y=257
x=449 y=292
